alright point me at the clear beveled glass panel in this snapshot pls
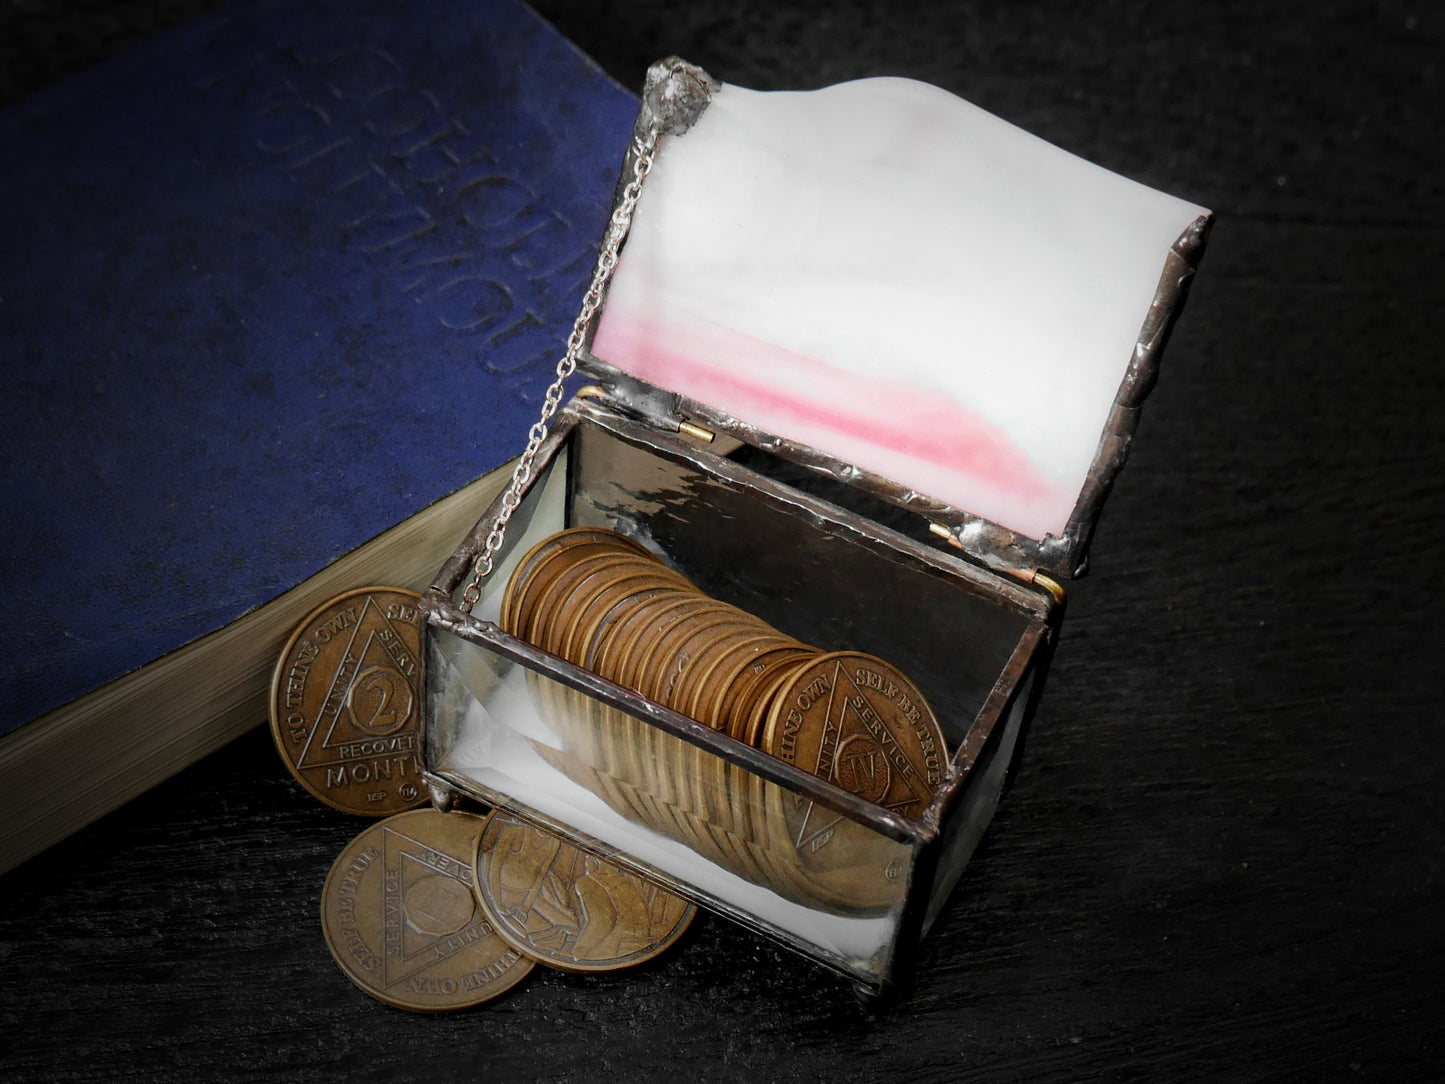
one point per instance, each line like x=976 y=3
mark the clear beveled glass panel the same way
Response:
x=740 y=844
x=950 y=628
x=508 y=725
x=965 y=824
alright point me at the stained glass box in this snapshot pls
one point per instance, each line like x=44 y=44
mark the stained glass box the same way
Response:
x=867 y=367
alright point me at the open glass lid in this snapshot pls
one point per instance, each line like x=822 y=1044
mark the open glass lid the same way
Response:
x=885 y=282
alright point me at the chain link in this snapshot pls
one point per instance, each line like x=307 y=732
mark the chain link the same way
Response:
x=644 y=150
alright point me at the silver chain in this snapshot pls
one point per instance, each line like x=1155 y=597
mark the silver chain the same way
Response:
x=644 y=149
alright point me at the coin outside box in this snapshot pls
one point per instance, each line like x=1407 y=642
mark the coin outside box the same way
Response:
x=963 y=603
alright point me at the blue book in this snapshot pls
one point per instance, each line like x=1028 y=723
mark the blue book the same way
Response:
x=279 y=296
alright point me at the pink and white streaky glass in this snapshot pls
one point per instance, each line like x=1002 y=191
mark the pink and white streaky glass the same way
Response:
x=899 y=279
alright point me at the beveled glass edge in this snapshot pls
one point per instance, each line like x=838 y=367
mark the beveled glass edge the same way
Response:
x=1005 y=690
x=1044 y=613
x=875 y=982
x=674 y=96
x=442 y=614
x=925 y=835
x=609 y=414
x=1036 y=605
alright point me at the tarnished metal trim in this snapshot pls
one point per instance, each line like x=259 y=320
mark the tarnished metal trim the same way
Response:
x=674 y=95
x=988 y=543
x=444 y=796
x=1005 y=690
x=1168 y=300
x=1164 y=310
x=1113 y=450
x=603 y=414
x=883 y=821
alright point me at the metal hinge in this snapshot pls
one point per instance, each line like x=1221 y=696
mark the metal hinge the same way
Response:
x=1029 y=575
x=697 y=432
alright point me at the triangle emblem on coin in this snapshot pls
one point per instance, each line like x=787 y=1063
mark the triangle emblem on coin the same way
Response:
x=852 y=754
x=817 y=823
x=371 y=694
x=863 y=758
x=428 y=908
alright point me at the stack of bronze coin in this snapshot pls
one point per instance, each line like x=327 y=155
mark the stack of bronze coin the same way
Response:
x=438 y=911
x=602 y=601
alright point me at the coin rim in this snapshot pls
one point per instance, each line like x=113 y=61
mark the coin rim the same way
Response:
x=592 y=615
x=523 y=967
x=545 y=574
x=766 y=738
x=580 y=619
x=540 y=956
x=564 y=539
x=276 y=682
x=558 y=601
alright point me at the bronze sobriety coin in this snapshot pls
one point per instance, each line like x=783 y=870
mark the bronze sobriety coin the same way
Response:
x=569 y=909
x=401 y=917
x=854 y=719
x=345 y=702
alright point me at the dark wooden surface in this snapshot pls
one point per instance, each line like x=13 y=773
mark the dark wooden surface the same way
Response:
x=1224 y=857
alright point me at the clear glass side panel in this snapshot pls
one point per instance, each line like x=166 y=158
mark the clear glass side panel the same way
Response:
x=543 y=512
x=966 y=822
x=736 y=843
x=806 y=576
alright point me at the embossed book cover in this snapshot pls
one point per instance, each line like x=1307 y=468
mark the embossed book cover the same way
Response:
x=271 y=284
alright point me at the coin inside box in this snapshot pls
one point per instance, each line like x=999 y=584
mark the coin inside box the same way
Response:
x=727 y=826
x=963 y=601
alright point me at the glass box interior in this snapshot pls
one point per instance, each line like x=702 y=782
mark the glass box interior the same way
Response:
x=849 y=883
